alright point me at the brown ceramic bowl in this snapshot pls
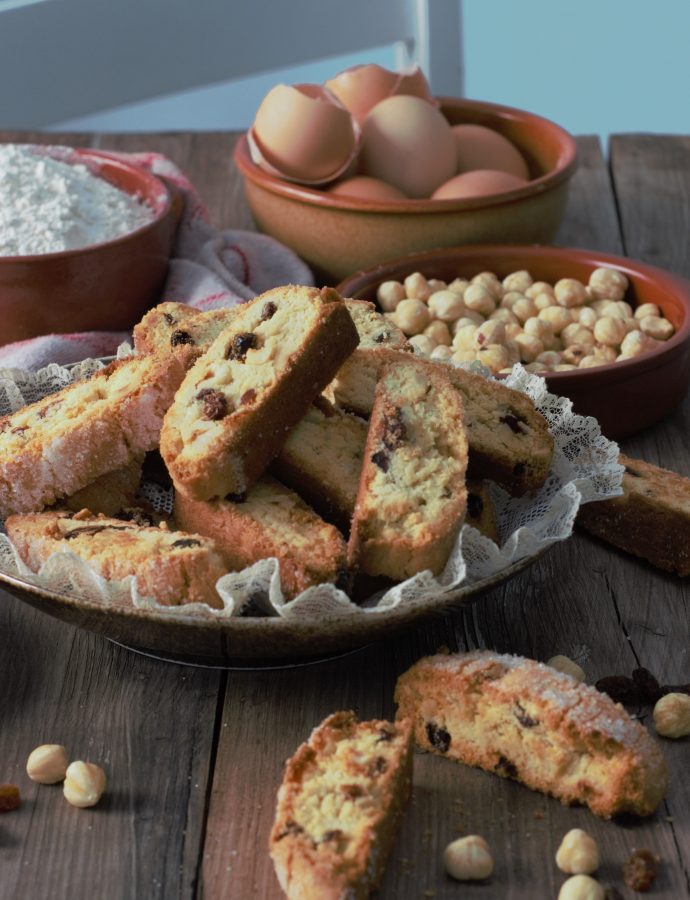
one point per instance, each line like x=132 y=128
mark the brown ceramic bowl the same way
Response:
x=337 y=235
x=103 y=287
x=624 y=396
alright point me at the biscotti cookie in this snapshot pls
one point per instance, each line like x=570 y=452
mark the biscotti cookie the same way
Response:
x=110 y=493
x=339 y=805
x=481 y=512
x=270 y=521
x=527 y=721
x=651 y=519
x=172 y=567
x=181 y=329
x=258 y=379
x=411 y=497
x=322 y=461
x=57 y=446
x=355 y=383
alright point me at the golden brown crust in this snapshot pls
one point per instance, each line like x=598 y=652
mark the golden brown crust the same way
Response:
x=342 y=796
x=172 y=567
x=650 y=520
x=521 y=719
x=272 y=521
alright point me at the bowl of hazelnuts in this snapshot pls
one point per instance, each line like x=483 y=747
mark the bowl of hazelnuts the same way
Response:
x=610 y=333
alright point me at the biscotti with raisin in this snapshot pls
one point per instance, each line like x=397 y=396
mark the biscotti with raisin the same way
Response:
x=411 y=499
x=322 y=461
x=521 y=719
x=55 y=447
x=171 y=567
x=238 y=402
x=339 y=805
x=180 y=329
x=355 y=383
x=650 y=520
x=270 y=521
x=110 y=493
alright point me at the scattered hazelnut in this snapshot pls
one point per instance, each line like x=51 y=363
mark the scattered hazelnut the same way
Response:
x=468 y=859
x=672 y=715
x=578 y=853
x=10 y=798
x=47 y=764
x=84 y=784
x=581 y=887
x=567 y=666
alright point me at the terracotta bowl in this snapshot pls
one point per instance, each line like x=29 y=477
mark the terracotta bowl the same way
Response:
x=103 y=287
x=624 y=396
x=338 y=235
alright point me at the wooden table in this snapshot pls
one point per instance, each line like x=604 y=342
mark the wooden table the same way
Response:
x=194 y=755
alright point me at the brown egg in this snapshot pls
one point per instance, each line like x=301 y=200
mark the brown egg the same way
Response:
x=483 y=148
x=478 y=183
x=303 y=133
x=365 y=188
x=408 y=143
x=360 y=88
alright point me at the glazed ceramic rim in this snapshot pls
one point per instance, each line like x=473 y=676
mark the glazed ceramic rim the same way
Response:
x=564 y=168
x=642 y=273
x=156 y=192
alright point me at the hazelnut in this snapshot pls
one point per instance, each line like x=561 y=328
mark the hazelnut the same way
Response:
x=423 y=343
x=570 y=292
x=441 y=351
x=417 y=287
x=672 y=715
x=517 y=281
x=468 y=859
x=389 y=294
x=84 y=784
x=446 y=305
x=412 y=316
x=578 y=853
x=605 y=282
x=567 y=666
x=47 y=764
x=581 y=887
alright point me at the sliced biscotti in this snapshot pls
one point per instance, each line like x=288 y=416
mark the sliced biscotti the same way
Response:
x=322 y=461
x=339 y=805
x=411 y=498
x=110 y=493
x=355 y=383
x=172 y=567
x=524 y=720
x=55 y=447
x=651 y=519
x=238 y=402
x=180 y=329
x=271 y=520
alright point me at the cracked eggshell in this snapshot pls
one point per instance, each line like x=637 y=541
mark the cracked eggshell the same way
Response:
x=478 y=183
x=483 y=148
x=303 y=133
x=360 y=88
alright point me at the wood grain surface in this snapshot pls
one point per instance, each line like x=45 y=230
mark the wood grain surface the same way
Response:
x=194 y=756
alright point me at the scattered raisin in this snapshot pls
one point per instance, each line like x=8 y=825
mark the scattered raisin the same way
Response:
x=186 y=542
x=525 y=720
x=378 y=766
x=620 y=688
x=248 y=397
x=10 y=798
x=647 y=684
x=513 y=422
x=215 y=404
x=505 y=767
x=394 y=431
x=241 y=344
x=180 y=337
x=640 y=870
x=438 y=737
x=381 y=459
x=268 y=311
x=168 y=318
x=475 y=506
x=290 y=828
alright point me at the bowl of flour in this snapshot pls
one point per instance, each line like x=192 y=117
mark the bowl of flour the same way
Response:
x=85 y=240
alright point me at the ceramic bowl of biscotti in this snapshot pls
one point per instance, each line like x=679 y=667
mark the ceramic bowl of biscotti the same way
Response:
x=337 y=234
x=625 y=396
x=105 y=286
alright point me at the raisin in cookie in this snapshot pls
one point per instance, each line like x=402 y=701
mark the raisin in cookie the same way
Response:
x=181 y=329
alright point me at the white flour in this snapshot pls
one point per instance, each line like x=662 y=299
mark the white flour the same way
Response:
x=47 y=206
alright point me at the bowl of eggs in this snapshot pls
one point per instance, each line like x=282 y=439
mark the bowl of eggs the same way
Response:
x=370 y=166
x=85 y=240
x=610 y=333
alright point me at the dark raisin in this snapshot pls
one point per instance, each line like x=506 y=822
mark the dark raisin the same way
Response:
x=380 y=338
x=513 y=422
x=394 y=431
x=186 y=542
x=168 y=318
x=640 y=870
x=475 y=506
x=620 y=688
x=438 y=737
x=632 y=472
x=385 y=736
x=87 y=529
x=290 y=828
x=248 y=397
x=334 y=834
x=352 y=791
x=505 y=767
x=238 y=497
x=215 y=404
x=241 y=344
x=268 y=311
x=525 y=720
x=180 y=337
x=10 y=798
x=378 y=766
x=381 y=459
x=648 y=685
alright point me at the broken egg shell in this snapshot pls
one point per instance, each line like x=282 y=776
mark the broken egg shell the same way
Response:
x=360 y=88
x=362 y=187
x=303 y=133
x=478 y=183
x=480 y=147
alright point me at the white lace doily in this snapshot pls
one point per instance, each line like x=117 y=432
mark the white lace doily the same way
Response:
x=585 y=468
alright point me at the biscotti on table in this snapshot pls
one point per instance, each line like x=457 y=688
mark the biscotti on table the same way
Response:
x=233 y=411
x=172 y=567
x=339 y=804
x=651 y=519
x=524 y=720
